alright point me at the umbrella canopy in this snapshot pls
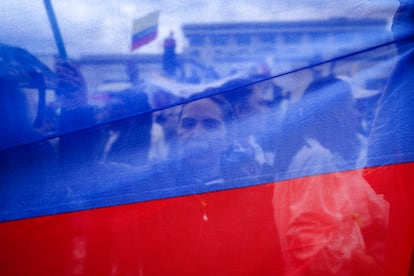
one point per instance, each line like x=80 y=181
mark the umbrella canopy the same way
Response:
x=20 y=66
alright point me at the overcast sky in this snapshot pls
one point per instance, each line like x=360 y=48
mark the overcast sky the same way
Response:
x=100 y=26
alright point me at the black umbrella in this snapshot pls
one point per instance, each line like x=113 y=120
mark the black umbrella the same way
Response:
x=21 y=68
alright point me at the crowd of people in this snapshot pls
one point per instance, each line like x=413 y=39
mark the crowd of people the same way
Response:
x=229 y=136
x=326 y=217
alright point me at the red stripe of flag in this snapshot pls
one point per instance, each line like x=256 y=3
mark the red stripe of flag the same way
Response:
x=143 y=40
x=222 y=233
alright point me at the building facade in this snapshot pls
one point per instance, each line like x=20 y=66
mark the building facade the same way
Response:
x=216 y=50
x=288 y=45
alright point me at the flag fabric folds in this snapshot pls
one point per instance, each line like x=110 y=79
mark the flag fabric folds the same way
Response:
x=245 y=161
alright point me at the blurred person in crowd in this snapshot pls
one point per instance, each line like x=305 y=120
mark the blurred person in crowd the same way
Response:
x=397 y=97
x=15 y=125
x=125 y=138
x=128 y=136
x=77 y=147
x=390 y=145
x=21 y=74
x=256 y=107
x=27 y=164
x=207 y=223
x=203 y=137
x=329 y=121
x=165 y=122
x=332 y=224
x=169 y=59
x=272 y=115
x=50 y=123
x=312 y=118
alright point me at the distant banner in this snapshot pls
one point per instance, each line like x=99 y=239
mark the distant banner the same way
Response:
x=144 y=30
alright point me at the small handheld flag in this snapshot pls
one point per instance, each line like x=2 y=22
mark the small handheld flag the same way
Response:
x=144 y=30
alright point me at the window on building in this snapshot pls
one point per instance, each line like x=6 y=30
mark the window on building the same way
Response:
x=197 y=40
x=345 y=37
x=318 y=36
x=292 y=37
x=218 y=52
x=243 y=40
x=219 y=40
x=267 y=38
x=195 y=53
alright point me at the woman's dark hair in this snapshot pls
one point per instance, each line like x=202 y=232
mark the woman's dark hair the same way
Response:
x=317 y=110
x=220 y=100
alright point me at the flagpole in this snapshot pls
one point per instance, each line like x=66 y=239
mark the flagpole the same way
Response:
x=55 y=28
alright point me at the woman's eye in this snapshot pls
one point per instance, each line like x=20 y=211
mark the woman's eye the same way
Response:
x=188 y=123
x=266 y=103
x=211 y=124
